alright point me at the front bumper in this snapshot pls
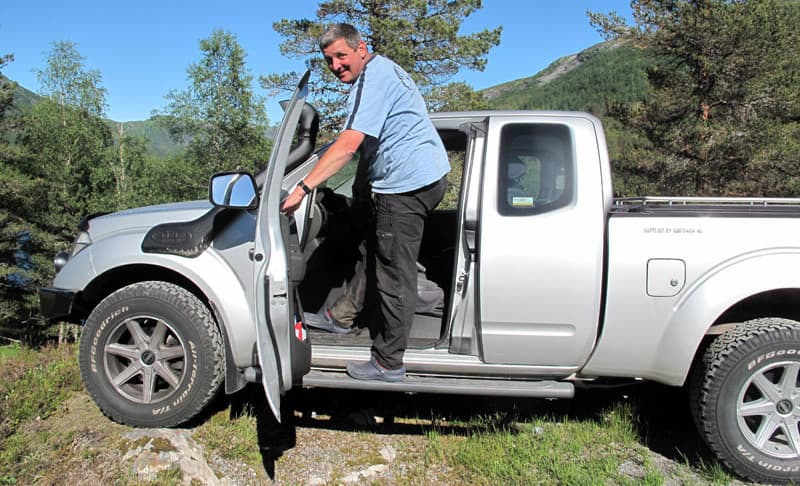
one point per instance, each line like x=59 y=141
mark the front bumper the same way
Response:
x=57 y=303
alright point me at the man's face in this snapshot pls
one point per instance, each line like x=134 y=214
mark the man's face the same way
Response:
x=344 y=61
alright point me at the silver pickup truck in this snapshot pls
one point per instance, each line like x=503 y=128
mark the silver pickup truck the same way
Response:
x=548 y=282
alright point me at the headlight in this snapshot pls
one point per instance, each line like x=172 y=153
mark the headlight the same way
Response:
x=81 y=241
x=60 y=260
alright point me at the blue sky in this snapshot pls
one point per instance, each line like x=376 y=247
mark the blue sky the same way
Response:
x=142 y=49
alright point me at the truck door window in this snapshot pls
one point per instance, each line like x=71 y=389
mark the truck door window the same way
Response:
x=450 y=199
x=535 y=168
x=342 y=181
x=455 y=144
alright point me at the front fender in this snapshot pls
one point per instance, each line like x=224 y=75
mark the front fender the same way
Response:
x=226 y=291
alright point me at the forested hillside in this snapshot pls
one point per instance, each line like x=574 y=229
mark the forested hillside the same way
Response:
x=159 y=141
x=156 y=137
x=23 y=98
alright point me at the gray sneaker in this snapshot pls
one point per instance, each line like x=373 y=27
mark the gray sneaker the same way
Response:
x=372 y=370
x=324 y=321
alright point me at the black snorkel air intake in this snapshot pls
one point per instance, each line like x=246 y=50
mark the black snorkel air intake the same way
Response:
x=307 y=130
x=306 y=136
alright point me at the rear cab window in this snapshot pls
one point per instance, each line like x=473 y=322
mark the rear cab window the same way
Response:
x=536 y=169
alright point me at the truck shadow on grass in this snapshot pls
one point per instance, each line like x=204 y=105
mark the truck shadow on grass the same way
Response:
x=661 y=416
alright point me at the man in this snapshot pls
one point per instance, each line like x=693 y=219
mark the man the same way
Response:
x=407 y=170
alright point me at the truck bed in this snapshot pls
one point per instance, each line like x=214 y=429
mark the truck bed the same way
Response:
x=707 y=206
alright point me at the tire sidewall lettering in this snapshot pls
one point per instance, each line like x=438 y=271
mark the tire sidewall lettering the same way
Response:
x=188 y=387
x=764 y=357
x=736 y=378
x=96 y=337
x=746 y=451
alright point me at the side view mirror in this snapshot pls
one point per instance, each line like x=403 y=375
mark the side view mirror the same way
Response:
x=233 y=190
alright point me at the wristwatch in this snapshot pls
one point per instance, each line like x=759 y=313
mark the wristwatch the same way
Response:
x=304 y=187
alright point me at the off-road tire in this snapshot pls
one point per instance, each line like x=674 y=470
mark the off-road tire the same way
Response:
x=151 y=355
x=746 y=399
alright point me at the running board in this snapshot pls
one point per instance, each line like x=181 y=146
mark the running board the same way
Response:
x=445 y=385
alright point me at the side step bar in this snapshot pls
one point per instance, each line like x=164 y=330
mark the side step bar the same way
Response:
x=445 y=385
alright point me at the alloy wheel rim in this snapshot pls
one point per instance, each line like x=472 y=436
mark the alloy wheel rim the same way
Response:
x=145 y=359
x=768 y=410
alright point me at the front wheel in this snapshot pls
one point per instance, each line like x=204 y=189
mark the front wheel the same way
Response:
x=747 y=398
x=151 y=355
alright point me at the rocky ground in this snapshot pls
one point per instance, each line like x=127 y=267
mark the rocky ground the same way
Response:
x=84 y=447
x=332 y=439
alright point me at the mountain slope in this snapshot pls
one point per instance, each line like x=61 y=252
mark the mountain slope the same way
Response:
x=158 y=139
x=24 y=98
x=591 y=80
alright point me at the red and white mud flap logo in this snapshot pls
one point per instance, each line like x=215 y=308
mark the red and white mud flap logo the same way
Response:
x=299 y=332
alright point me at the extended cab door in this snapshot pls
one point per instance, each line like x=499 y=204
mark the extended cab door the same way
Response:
x=283 y=351
x=541 y=241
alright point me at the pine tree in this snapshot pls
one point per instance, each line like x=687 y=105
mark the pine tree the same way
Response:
x=419 y=35
x=46 y=180
x=723 y=114
x=11 y=275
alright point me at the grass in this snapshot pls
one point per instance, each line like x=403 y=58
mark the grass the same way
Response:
x=712 y=471
x=10 y=351
x=232 y=438
x=457 y=441
x=33 y=384
x=170 y=477
x=548 y=451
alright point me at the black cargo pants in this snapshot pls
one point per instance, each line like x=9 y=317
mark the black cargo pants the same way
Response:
x=399 y=223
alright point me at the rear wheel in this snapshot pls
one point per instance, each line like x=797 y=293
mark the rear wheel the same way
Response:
x=746 y=396
x=151 y=355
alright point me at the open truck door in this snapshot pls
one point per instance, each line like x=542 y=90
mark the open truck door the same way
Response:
x=284 y=353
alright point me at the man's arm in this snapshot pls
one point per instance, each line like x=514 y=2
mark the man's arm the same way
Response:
x=332 y=161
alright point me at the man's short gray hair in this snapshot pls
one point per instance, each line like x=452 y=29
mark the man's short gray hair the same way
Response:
x=344 y=31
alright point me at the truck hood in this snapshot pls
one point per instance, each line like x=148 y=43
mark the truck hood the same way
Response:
x=140 y=220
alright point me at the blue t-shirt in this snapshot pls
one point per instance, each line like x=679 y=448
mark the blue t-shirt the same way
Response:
x=384 y=103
